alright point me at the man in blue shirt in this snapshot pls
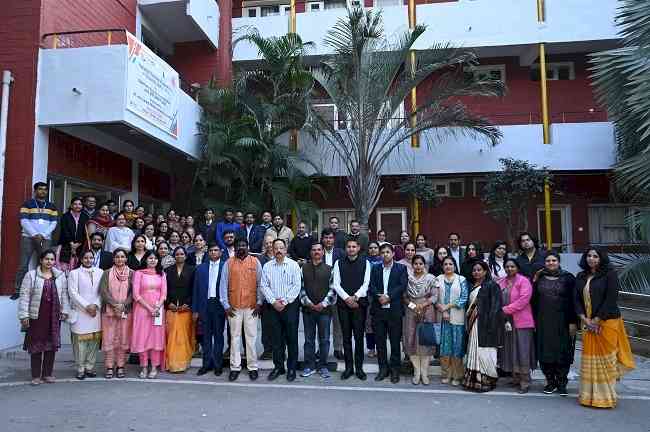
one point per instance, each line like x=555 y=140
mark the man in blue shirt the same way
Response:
x=228 y=224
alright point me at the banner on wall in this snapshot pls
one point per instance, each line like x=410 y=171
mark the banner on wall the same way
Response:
x=152 y=87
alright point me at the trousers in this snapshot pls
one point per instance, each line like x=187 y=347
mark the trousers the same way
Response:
x=556 y=373
x=284 y=330
x=311 y=322
x=243 y=318
x=42 y=364
x=387 y=322
x=213 y=322
x=85 y=353
x=352 y=325
x=153 y=355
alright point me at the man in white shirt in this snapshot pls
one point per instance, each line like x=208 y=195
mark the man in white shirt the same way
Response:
x=350 y=279
x=281 y=284
x=206 y=304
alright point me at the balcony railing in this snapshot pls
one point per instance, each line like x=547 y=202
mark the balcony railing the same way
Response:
x=97 y=37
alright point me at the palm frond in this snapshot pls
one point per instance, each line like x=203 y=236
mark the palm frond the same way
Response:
x=633 y=272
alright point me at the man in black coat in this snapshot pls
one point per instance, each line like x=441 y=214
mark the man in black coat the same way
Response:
x=387 y=285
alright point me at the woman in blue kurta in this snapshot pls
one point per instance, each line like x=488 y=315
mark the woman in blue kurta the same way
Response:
x=451 y=304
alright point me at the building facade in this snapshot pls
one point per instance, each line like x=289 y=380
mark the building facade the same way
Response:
x=78 y=118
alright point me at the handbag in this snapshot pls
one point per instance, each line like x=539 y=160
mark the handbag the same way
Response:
x=428 y=334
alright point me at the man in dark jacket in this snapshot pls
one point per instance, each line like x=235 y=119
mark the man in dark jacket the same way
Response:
x=331 y=254
x=317 y=299
x=300 y=246
x=340 y=236
x=387 y=285
x=530 y=258
x=103 y=259
x=252 y=233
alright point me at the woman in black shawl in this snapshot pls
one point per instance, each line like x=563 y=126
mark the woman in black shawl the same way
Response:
x=485 y=323
x=556 y=322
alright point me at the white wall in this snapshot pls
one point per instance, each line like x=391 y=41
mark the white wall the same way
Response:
x=10 y=335
x=468 y=23
x=99 y=74
x=576 y=147
x=205 y=14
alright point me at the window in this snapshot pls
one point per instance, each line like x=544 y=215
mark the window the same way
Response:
x=270 y=10
x=352 y=3
x=488 y=72
x=450 y=188
x=314 y=6
x=331 y=114
x=250 y=12
x=387 y=3
x=479 y=185
x=610 y=224
x=267 y=10
x=563 y=71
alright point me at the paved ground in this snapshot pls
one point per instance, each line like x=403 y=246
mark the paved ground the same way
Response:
x=172 y=405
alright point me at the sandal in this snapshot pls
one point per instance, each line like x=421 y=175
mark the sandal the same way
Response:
x=81 y=375
x=49 y=379
x=120 y=372
x=36 y=381
x=143 y=373
x=109 y=373
x=91 y=373
x=154 y=373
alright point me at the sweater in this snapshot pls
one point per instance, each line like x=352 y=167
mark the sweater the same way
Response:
x=316 y=285
x=38 y=217
x=300 y=247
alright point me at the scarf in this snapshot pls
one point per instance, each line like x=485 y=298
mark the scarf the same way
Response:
x=120 y=275
x=104 y=222
x=149 y=271
x=556 y=273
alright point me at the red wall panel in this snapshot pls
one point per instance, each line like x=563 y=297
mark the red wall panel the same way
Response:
x=154 y=183
x=196 y=62
x=72 y=157
x=69 y=15
x=19 y=30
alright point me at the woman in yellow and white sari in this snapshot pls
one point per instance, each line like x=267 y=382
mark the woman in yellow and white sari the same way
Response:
x=606 y=353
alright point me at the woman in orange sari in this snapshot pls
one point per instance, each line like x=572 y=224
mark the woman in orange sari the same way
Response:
x=606 y=353
x=180 y=327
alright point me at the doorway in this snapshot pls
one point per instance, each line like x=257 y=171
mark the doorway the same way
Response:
x=561 y=227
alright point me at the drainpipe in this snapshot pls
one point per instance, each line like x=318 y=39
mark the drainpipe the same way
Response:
x=4 y=112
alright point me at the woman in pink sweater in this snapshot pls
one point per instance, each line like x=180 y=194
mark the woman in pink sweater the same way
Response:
x=517 y=356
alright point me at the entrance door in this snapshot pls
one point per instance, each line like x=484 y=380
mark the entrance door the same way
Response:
x=561 y=227
x=344 y=215
x=393 y=221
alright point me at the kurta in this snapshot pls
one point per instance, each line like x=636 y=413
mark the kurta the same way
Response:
x=44 y=333
x=83 y=287
x=180 y=326
x=420 y=290
x=518 y=352
x=554 y=312
x=151 y=288
x=116 y=328
x=452 y=335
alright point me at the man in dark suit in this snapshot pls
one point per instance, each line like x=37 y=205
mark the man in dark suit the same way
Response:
x=208 y=227
x=331 y=254
x=456 y=249
x=387 y=285
x=206 y=304
x=253 y=233
x=103 y=259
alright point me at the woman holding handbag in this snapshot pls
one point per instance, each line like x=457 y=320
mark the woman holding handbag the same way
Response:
x=420 y=297
x=485 y=325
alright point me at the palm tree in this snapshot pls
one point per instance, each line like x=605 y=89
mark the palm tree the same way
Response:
x=368 y=78
x=242 y=160
x=621 y=78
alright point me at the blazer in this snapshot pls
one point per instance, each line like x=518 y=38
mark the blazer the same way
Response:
x=31 y=291
x=603 y=290
x=200 y=286
x=519 y=307
x=255 y=238
x=71 y=233
x=337 y=254
x=105 y=260
x=397 y=283
x=185 y=281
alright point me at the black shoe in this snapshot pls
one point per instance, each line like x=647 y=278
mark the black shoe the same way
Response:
x=218 y=371
x=347 y=374
x=91 y=374
x=233 y=375
x=381 y=375
x=203 y=371
x=394 y=377
x=276 y=373
x=338 y=355
x=81 y=376
x=267 y=355
x=523 y=390
x=549 y=389
x=253 y=375
x=561 y=389
x=14 y=296
x=291 y=375
x=361 y=375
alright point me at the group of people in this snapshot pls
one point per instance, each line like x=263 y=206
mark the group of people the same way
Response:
x=129 y=285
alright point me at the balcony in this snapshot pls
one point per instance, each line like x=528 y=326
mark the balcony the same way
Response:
x=93 y=79
x=184 y=20
x=575 y=147
x=474 y=24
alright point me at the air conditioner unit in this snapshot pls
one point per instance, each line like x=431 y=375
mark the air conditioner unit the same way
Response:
x=355 y=3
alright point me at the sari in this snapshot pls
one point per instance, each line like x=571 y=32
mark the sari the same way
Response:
x=98 y=224
x=180 y=344
x=481 y=370
x=606 y=357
